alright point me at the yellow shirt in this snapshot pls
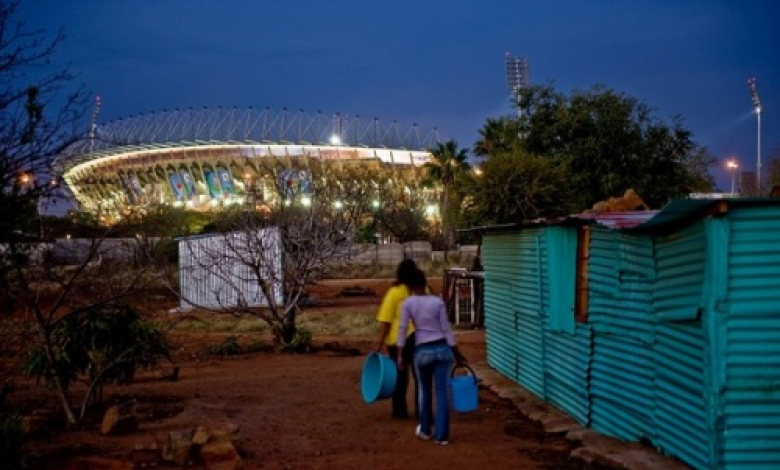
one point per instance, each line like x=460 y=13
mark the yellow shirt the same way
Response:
x=390 y=312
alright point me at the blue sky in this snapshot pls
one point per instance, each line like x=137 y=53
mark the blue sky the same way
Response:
x=434 y=63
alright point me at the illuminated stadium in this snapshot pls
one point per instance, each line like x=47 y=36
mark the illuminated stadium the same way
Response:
x=209 y=159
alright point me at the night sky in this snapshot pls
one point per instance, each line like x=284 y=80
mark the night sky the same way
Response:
x=434 y=63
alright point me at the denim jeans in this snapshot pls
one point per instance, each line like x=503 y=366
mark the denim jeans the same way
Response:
x=433 y=363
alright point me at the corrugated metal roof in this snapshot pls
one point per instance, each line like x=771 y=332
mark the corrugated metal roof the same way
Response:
x=677 y=213
x=618 y=220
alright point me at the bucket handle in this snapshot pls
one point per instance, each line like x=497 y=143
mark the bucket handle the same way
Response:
x=466 y=366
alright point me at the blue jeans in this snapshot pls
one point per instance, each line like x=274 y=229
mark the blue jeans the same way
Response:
x=433 y=364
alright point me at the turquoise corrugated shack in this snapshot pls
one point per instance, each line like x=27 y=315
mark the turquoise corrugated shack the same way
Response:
x=661 y=326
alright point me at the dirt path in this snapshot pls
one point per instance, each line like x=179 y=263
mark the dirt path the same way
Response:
x=306 y=412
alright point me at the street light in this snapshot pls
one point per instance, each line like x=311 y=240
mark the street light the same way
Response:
x=757 y=109
x=732 y=165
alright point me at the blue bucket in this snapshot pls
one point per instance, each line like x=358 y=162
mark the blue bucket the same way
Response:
x=379 y=376
x=465 y=391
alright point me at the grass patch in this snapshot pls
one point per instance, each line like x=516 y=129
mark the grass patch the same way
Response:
x=220 y=323
x=352 y=322
x=336 y=324
x=232 y=345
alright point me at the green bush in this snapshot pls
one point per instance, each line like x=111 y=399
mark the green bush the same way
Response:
x=107 y=343
x=300 y=344
x=228 y=347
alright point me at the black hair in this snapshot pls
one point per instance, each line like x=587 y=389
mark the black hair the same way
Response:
x=417 y=279
x=405 y=271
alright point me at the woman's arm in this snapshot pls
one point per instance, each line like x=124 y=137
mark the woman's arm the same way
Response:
x=384 y=329
x=446 y=328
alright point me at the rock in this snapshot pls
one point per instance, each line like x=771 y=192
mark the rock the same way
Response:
x=201 y=436
x=119 y=418
x=179 y=447
x=220 y=455
x=224 y=435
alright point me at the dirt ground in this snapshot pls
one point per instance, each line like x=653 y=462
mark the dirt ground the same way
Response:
x=303 y=411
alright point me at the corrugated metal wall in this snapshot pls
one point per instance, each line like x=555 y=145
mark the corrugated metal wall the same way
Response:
x=621 y=388
x=567 y=362
x=681 y=414
x=747 y=379
x=532 y=300
x=217 y=271
x=682 y=344
x=567 y=343
x=500 y=258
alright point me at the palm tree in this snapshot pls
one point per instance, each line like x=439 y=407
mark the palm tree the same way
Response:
x=449 y=165
x=497 y=136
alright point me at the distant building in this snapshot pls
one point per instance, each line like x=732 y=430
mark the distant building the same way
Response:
x=747 y=184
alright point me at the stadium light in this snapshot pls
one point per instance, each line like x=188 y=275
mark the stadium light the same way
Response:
x=757 y=109
x=335 y=140
x=732 y=166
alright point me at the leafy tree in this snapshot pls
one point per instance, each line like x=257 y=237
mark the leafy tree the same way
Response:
x=612 y=142
x=402 y=209
x=449 y=166
x=518 y=186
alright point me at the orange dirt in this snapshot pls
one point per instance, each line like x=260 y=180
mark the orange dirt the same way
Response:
x=304 y=412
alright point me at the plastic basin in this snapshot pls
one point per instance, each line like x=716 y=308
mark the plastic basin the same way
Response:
x=379 y=376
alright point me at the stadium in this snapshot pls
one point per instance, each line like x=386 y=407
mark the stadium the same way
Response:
x=209 y=159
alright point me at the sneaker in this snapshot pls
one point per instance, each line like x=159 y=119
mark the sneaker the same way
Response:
x=441 y=443
x=418 y=432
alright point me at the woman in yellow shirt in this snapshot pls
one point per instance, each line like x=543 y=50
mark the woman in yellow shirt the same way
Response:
x=389 y=316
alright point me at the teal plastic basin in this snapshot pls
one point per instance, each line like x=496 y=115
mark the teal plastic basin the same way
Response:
x=379 y=376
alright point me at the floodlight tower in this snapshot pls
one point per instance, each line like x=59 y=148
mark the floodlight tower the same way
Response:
x=93 y=123
x=518 y=77
x=757 y=109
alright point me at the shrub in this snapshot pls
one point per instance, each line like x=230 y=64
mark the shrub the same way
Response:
x=107 y=343
x=228 y=347
x=300 y=344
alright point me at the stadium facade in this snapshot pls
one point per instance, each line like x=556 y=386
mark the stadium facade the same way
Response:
x=209 y=159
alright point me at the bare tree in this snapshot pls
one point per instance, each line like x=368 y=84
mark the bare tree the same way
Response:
x=261 y=262
x=38 y=117
x=41 y=113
